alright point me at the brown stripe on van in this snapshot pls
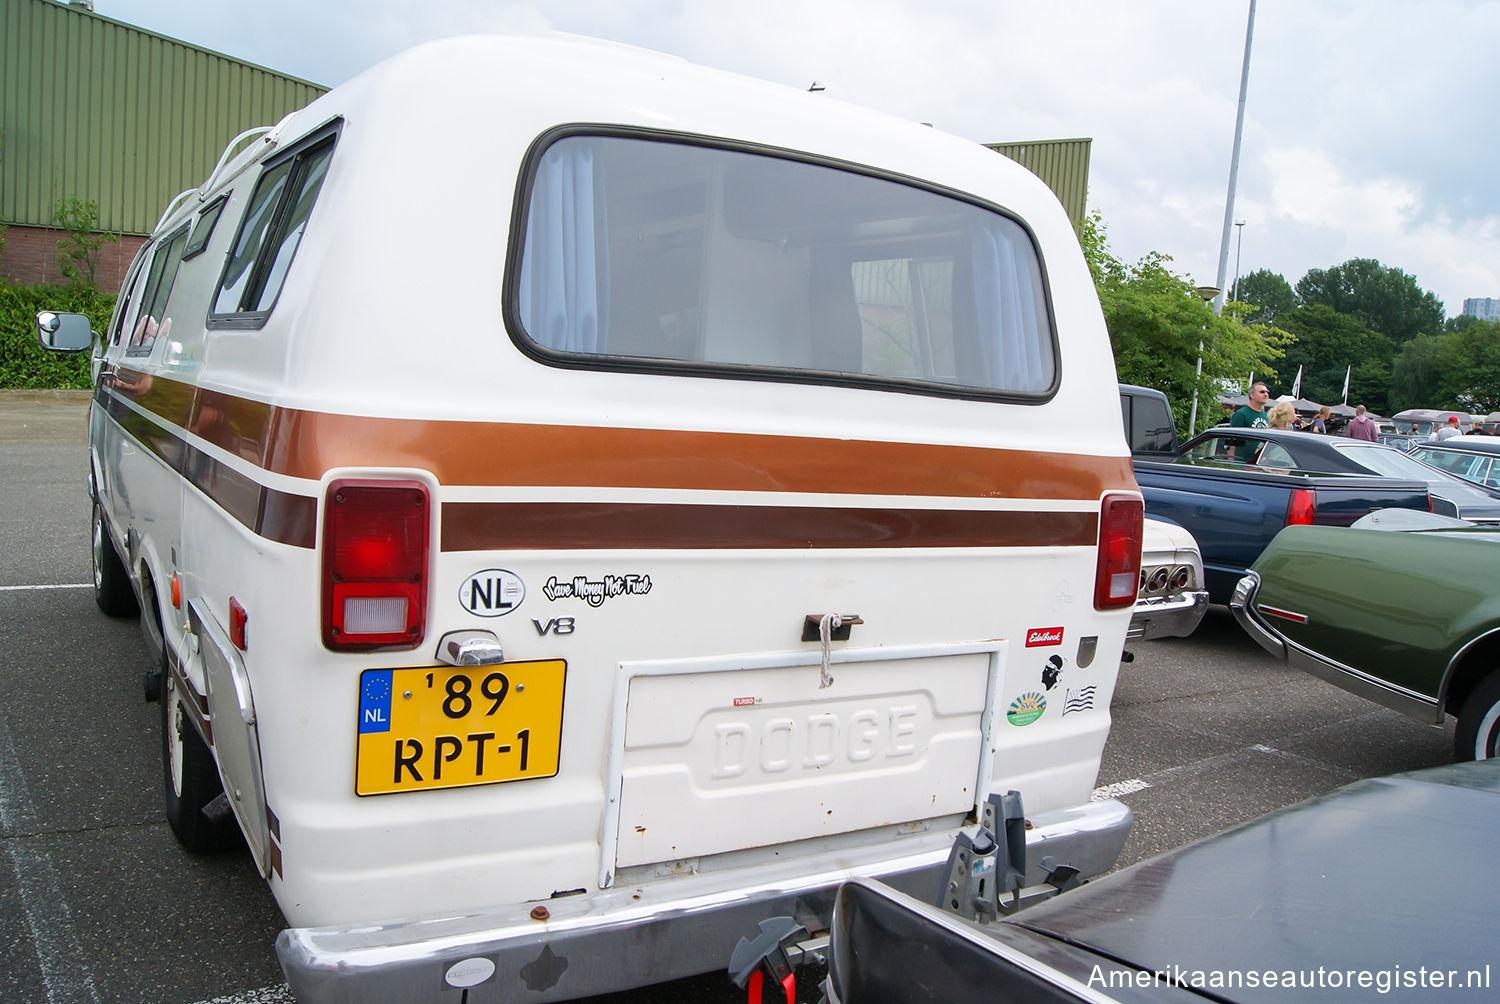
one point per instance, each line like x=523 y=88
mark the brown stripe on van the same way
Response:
x=306 y=444
x=484 y=526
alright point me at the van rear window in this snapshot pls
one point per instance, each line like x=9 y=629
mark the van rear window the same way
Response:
x=663 y=255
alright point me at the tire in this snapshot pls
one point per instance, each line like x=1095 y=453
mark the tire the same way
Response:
x=1478 y=734
x=190 y=778
x=112 y=591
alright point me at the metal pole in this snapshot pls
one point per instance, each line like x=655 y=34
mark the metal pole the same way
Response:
x=1234 y=161
x=1239 y=239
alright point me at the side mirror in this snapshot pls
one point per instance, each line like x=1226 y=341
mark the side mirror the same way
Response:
x=64 y=332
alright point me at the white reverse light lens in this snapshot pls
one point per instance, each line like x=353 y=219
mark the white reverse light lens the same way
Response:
x=374 y=614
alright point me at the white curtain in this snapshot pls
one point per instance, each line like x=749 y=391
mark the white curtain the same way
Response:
x=564 y=272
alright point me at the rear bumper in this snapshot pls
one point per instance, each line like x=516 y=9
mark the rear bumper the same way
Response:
x=1168 y=617
x=628 y=937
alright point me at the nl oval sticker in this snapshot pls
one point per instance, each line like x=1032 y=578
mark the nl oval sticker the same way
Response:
x=1043 y=636
x=493 y=592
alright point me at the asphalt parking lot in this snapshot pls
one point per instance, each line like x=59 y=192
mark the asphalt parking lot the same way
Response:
x=98 y=903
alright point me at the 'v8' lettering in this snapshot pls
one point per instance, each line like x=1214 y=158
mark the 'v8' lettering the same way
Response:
x=553 y=625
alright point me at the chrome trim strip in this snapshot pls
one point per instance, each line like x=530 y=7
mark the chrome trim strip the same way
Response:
x=1357 y=682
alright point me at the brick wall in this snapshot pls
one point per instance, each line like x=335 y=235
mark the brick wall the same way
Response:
x=31 y=257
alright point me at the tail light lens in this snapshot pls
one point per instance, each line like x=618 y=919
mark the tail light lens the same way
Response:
x=1301 y=508
x=375 y=556
x=1119 y=568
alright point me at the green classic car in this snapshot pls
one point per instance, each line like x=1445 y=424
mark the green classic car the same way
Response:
x=1401 y=609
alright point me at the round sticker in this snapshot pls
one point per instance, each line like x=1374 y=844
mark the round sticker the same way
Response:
x=1026 y=709
x=493 y=592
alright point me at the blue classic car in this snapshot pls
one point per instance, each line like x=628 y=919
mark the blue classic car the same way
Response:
x=1473 y=458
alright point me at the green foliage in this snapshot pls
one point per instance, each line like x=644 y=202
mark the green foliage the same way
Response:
x=1156 y=322
x=1268 y=292
x=1458 y=369
x=1384 y=299
x=78 y=250
x=23 y=362
x=1328 y=343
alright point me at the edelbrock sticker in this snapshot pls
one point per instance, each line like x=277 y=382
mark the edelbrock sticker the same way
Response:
x=493 y=592
x=1044 y=636
x=1026 y=709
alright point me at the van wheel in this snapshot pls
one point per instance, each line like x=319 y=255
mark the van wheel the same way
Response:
x=190 y=779
x=1478 y=734
x=112 y=590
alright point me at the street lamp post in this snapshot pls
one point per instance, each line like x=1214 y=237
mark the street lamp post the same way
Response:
x=1239 y=236
x=1208 y=293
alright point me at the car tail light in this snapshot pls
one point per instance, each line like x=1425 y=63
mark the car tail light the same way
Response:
x=1119 y=568
x=375 y=553
x=1302 y=507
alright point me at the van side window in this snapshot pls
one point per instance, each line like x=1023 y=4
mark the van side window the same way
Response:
x=151 y=320
x=269 y=236
x=655 y=254
x=129 y=293
x=204 y=228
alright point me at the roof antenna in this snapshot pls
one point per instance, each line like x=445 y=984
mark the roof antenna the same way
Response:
x=816 y=87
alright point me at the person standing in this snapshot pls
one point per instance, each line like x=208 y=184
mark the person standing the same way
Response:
x=1361 y=426
x=1319 y=422
x=1251 y=416
x=1447 y=431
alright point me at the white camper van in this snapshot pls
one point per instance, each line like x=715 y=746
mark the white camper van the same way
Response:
x=586 y=504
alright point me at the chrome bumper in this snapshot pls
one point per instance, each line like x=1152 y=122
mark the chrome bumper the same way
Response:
x=616 y=939
x=1167 y=617
x=1243 y=605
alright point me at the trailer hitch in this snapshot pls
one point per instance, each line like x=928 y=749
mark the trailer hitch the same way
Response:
x=777 y=951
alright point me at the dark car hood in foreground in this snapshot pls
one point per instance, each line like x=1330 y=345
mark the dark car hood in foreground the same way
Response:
x=1388 y=880
x=1395 y=871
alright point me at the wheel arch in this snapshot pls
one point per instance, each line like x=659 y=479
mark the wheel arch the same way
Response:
x=1475 y=661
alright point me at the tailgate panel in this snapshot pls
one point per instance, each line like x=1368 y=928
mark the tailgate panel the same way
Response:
x=748 y=751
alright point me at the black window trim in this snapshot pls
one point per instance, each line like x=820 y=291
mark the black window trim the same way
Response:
x=521 y=209
x=204 y=226
x=148 y=293
x=326 y=134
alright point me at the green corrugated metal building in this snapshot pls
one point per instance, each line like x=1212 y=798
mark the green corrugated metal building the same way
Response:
x=1062 y=163
x=99 y=109
x=105 y=111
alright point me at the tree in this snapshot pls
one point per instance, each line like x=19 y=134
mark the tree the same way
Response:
x=1414 y=374
x=1330 y=346
x=78 y=250
x=1384 y=299
x=1156 y=322
x=1268 y=292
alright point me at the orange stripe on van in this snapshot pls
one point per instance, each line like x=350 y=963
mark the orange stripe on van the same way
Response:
x=306 y=444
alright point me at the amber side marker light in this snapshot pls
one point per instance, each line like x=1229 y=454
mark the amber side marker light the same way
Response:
x=375 y=558
x=1117 y=575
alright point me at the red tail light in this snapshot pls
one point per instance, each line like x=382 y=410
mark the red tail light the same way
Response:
x=375 y=544
x=1302 y=507
x=1117 y=575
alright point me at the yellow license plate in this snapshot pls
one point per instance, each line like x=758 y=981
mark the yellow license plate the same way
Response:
x=450 y=727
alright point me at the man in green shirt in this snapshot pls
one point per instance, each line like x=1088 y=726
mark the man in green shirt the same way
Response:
x=1251 y=416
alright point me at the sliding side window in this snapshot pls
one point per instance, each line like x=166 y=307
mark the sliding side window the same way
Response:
x=152 y=319
x=269 y=236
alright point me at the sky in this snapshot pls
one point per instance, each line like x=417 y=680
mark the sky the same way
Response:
x=1371 y=126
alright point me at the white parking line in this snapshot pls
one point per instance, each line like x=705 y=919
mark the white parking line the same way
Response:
x=1118 y=788
x=63 y=585
x=64 y=970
